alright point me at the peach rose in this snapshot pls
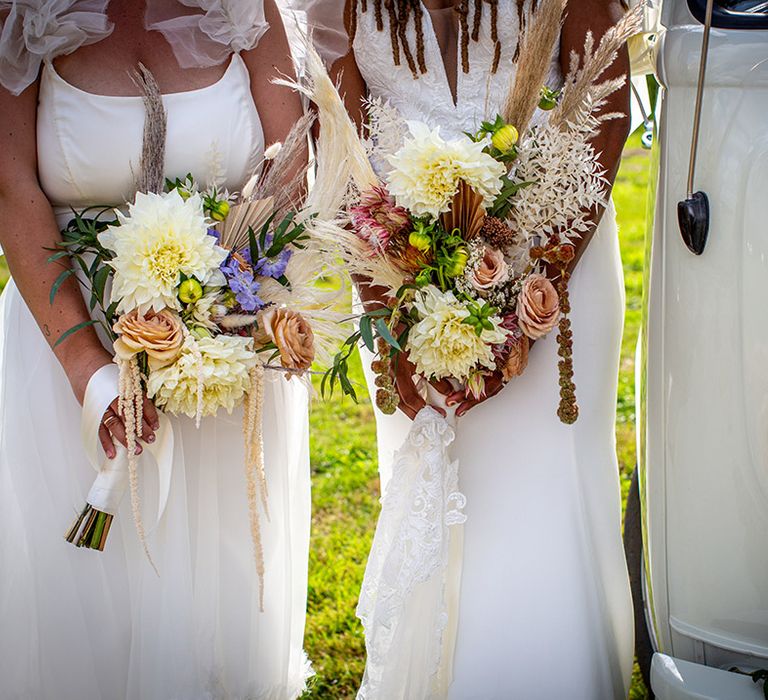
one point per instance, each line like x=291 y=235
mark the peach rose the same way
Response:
x=491 y=270
x=538 y=306
x=158 y=334
x=292 y=335
x=517 y=360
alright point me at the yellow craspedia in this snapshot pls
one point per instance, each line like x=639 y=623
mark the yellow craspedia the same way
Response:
x=420 y=240
x=190 y=291
x=220 y=210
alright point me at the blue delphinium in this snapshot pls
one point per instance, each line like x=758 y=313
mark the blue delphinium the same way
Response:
x=269 y=267
x=243 y=285
x=274 y=267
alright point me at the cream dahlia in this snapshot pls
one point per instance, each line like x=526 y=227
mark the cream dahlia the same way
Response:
x=161 y=237
x=221 y=363
x=427 y=170
x=442 y=345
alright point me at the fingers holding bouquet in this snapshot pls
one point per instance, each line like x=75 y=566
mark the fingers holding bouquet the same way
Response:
x=113 y=427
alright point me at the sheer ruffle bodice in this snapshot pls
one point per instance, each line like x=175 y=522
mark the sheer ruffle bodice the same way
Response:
x=200 y=32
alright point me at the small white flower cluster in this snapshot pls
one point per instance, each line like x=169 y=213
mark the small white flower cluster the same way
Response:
x=385 y=133
x=567 y=183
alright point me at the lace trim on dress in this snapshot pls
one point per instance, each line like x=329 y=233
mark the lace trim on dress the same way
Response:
x=404 y=597
x=34 y=31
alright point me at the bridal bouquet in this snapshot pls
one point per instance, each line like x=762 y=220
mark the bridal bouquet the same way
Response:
x=200 y=292
x=470 y=238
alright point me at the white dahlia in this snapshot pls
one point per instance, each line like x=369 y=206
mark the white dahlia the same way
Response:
x=222 y=363
x=442 y=345
x=427 y=169
x=161 y=237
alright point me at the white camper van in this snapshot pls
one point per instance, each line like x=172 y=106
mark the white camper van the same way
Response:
x=697 y=519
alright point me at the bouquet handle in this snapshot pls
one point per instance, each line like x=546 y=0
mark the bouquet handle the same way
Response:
x=92 y=525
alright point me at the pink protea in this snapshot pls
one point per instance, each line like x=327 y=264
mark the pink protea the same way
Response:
x=377 y=218
x=510 y=324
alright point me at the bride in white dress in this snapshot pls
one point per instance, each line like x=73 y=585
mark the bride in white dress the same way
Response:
x=84 y=625
x=544 y=608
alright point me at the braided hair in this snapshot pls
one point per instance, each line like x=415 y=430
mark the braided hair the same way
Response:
x=400 y=13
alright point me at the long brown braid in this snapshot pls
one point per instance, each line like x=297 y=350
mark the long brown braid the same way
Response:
x=399 y=13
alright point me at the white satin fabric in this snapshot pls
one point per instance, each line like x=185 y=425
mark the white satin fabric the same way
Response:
x=544 y=608
x=79 y=624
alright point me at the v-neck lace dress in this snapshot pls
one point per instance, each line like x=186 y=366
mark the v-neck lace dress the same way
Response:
x=545 y=608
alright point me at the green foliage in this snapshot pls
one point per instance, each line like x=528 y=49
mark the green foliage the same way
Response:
x=480 y=316
x=81 y=253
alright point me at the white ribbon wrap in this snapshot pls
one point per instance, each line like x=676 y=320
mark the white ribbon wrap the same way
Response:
x=112 y=474
x=410 y=596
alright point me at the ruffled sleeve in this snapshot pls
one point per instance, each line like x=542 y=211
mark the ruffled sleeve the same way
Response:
x=325 y=22
x=210 y=35
x=34 y=31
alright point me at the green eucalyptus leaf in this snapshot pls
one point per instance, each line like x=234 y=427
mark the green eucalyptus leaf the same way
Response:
x=366 y=332
x=63 y=276
x=385 y=333
x=74 y=329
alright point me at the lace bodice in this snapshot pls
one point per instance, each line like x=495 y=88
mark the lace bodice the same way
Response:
x=428 y=98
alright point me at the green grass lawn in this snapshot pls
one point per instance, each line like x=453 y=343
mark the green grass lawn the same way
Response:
x=345 y=478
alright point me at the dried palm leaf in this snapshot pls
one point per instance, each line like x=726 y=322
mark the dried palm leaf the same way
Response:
x=248 y=214
x=467 y=212
x=537 y=47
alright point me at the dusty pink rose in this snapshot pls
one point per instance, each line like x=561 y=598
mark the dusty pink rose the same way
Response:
x=490 y=270
x=158 y=334
x=292 y=335
x=538 y=306
x=517 y=360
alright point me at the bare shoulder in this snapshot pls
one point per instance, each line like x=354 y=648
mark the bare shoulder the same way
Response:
x=592 y=15
x=272 y=54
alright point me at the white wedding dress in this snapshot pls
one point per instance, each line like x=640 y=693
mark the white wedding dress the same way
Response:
x=544 y=609
x=83 y=625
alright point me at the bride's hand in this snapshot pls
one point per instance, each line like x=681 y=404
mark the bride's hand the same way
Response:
x=411 y=400
x=493 y=385
x=113 y=428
